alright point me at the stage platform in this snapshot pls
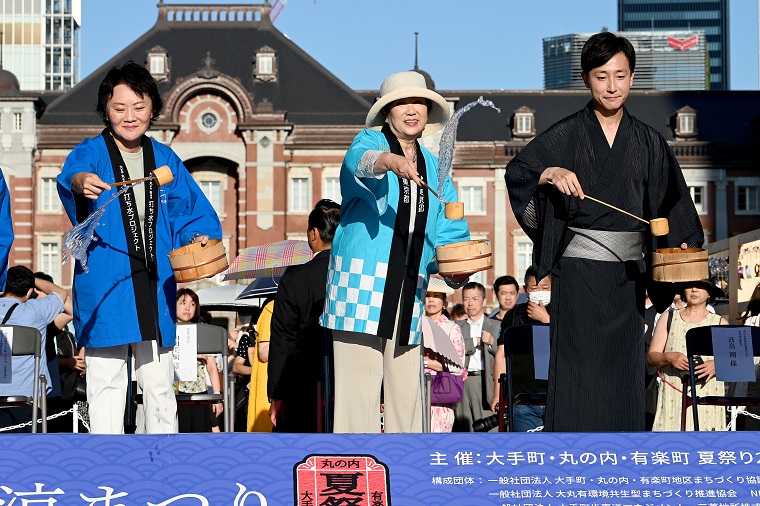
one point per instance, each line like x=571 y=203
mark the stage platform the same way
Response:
x=238 y=469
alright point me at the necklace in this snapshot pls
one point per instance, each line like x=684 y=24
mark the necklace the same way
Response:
x=414 y=157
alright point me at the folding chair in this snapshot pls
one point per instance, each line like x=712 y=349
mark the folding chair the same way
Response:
x=699 y=341
x=27 y=341
x=211 y=339
x=518 y=343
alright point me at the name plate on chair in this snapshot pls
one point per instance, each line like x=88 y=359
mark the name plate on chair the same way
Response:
x=185 y=353
x=732 y=348
x=6 y=354
x=541 y=351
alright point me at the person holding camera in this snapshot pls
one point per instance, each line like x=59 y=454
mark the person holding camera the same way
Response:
x=667 y=352
x=19 y=305
x=536 y=310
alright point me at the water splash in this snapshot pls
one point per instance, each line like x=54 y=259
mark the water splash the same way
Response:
x=78 y=239
x=449 y=138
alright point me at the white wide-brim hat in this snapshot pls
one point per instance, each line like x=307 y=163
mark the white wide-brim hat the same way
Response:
x=409 y=85
x=437 y=285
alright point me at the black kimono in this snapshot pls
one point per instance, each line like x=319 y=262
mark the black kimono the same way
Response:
x=598 y=259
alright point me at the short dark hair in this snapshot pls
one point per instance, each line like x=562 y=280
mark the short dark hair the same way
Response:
x=505 y=280
x=44 y=275
x=531 y=272
x=138 y=79
x=601 y=47
x=194 y=296
x=325 y=217
x=458 y=310
x=474 y=285
x=20 y=280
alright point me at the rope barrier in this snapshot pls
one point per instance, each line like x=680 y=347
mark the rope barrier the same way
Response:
x=50 y=417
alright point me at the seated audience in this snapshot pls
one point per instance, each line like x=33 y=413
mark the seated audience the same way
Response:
x=19 y=305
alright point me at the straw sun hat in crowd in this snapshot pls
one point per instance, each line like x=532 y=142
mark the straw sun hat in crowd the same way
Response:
x=409 y=85
x=437 y=285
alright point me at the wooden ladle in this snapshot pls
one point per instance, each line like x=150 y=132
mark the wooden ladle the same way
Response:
x=658 y=226
x=453 y=210
x=163 y=175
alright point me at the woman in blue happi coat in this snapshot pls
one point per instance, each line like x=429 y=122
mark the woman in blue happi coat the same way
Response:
x=6 y=230
x=128 y=296
x=382 y=255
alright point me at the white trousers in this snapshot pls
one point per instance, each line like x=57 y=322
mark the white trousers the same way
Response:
x=363 y=364
x=107 y=387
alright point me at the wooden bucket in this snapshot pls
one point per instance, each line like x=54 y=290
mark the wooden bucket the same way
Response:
x=465 y=257
x=677 y=265
x=194 y=261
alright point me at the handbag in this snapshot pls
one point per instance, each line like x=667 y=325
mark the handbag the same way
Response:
x=73 y=384
x=446 y=388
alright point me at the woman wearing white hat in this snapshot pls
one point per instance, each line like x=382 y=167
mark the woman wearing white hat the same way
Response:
x=442 y=415
x=382 y=256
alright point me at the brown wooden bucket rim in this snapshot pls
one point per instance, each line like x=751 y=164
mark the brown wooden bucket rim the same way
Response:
x=469 y=271
x=463 y=243
x=448 y=261
x=201 y=264
x=194 y=247
x=678 y=262
x=671 y=251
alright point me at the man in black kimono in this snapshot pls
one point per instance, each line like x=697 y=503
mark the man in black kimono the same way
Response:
x=597 y=256
x=296 y=346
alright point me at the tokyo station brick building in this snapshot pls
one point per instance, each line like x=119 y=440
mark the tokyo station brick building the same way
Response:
x=263 y=128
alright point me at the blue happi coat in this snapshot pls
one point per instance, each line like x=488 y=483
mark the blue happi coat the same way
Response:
x=6 y=230
x=105 y=311
x=359 y=257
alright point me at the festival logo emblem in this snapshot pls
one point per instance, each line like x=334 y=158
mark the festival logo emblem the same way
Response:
x=341 y=479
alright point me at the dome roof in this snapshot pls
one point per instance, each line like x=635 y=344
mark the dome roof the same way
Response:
x=428 y=78
x=8 y=83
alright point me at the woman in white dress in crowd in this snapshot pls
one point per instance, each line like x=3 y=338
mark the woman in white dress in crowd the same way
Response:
x=668 y=353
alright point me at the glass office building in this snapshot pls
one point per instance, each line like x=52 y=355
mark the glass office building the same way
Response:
x=708 y=16
x=40 y=42
x=675 y=60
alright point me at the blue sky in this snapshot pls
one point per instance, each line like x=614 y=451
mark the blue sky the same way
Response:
x=468 y=45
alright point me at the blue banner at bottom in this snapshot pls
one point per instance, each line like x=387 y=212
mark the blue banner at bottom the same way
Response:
x=619 y=469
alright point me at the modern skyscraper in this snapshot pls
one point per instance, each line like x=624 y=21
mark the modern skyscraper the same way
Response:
x=40 y=42
x=710 y=16
x=674 y=60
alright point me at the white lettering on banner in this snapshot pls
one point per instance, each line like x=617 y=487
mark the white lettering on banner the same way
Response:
x=185 y=352
x=38 y=492
x=105 y=499
x=6 y=354
x=43 y=497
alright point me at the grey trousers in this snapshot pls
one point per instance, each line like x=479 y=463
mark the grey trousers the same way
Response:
x=364 y=363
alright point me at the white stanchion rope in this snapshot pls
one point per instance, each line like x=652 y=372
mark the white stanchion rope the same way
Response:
x=50 y=417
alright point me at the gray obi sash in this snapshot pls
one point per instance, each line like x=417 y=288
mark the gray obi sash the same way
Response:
x=605 y=245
